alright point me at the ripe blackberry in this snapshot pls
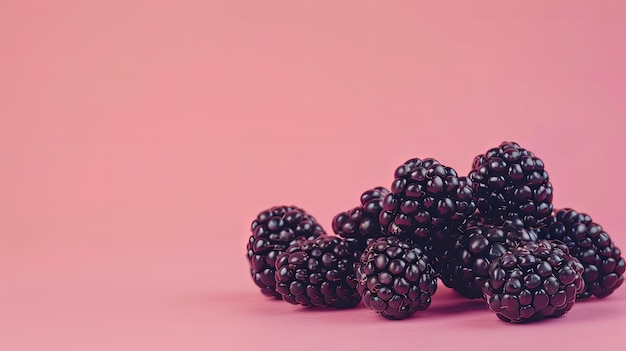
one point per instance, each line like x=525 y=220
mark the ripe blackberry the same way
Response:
x=587 y=241
x=395 y=278
x=427 y=201
x=318 y=273
x=532 y=281
x=511 y=180
x=272 y=232
x=467 y=266
x=361 y=223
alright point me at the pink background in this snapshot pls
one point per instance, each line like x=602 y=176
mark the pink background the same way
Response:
x=138 y=139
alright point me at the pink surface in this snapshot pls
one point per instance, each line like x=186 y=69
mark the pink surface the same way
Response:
x=138 y=139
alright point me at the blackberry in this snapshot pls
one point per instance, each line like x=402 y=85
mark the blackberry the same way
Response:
x=318 y=273
x=361 y=223
x=272 y=232
x=427 y=202
x=467 y=265
x=587 y=241
x=511 y=180
x=395 y=278
x=533 y=280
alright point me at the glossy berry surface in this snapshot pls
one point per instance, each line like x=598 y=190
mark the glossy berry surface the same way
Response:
x=532 y=281
x=518 y=221
x=361 y=223
x=427 y=201
x=587 y=241
x=272 y=232
x=508 y=180
x=318 y=273
x=395 y=278
x=467 y=266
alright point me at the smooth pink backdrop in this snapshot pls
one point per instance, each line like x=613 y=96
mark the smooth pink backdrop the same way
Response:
x=138 y=139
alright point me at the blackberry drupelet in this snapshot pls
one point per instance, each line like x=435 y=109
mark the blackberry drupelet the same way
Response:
x=361 y=223
x=395 y=278
x=508 y=180
x=427 y=202
x=318 y=273
x=272 y=232
x=533 y=280
x=518 y=221
x=466 y=267
x=587 y=241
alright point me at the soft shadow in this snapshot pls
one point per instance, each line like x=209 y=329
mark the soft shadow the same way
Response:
x=449 y=302
x=446 y=304
x=303 y=309
x=460 y=306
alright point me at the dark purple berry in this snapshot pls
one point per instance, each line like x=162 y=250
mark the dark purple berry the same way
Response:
x=533 y=280
x=272 y=232
x=510 y=180
x=428 y=201
x=592 y=246
x=318 y=273
x=361 y=223
x=466 y=266
x=395 y=278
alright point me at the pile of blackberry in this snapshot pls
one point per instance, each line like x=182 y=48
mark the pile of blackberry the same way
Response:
x=493 y=235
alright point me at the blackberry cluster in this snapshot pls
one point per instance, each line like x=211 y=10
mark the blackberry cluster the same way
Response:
x=272 y=232
x=318 y=273
x=508 y=180
x=533 y=281
x=427 y=202
x=361 y=223
x=491 y=235
x=592 y=246
x=467 y=266
x=395 y=278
